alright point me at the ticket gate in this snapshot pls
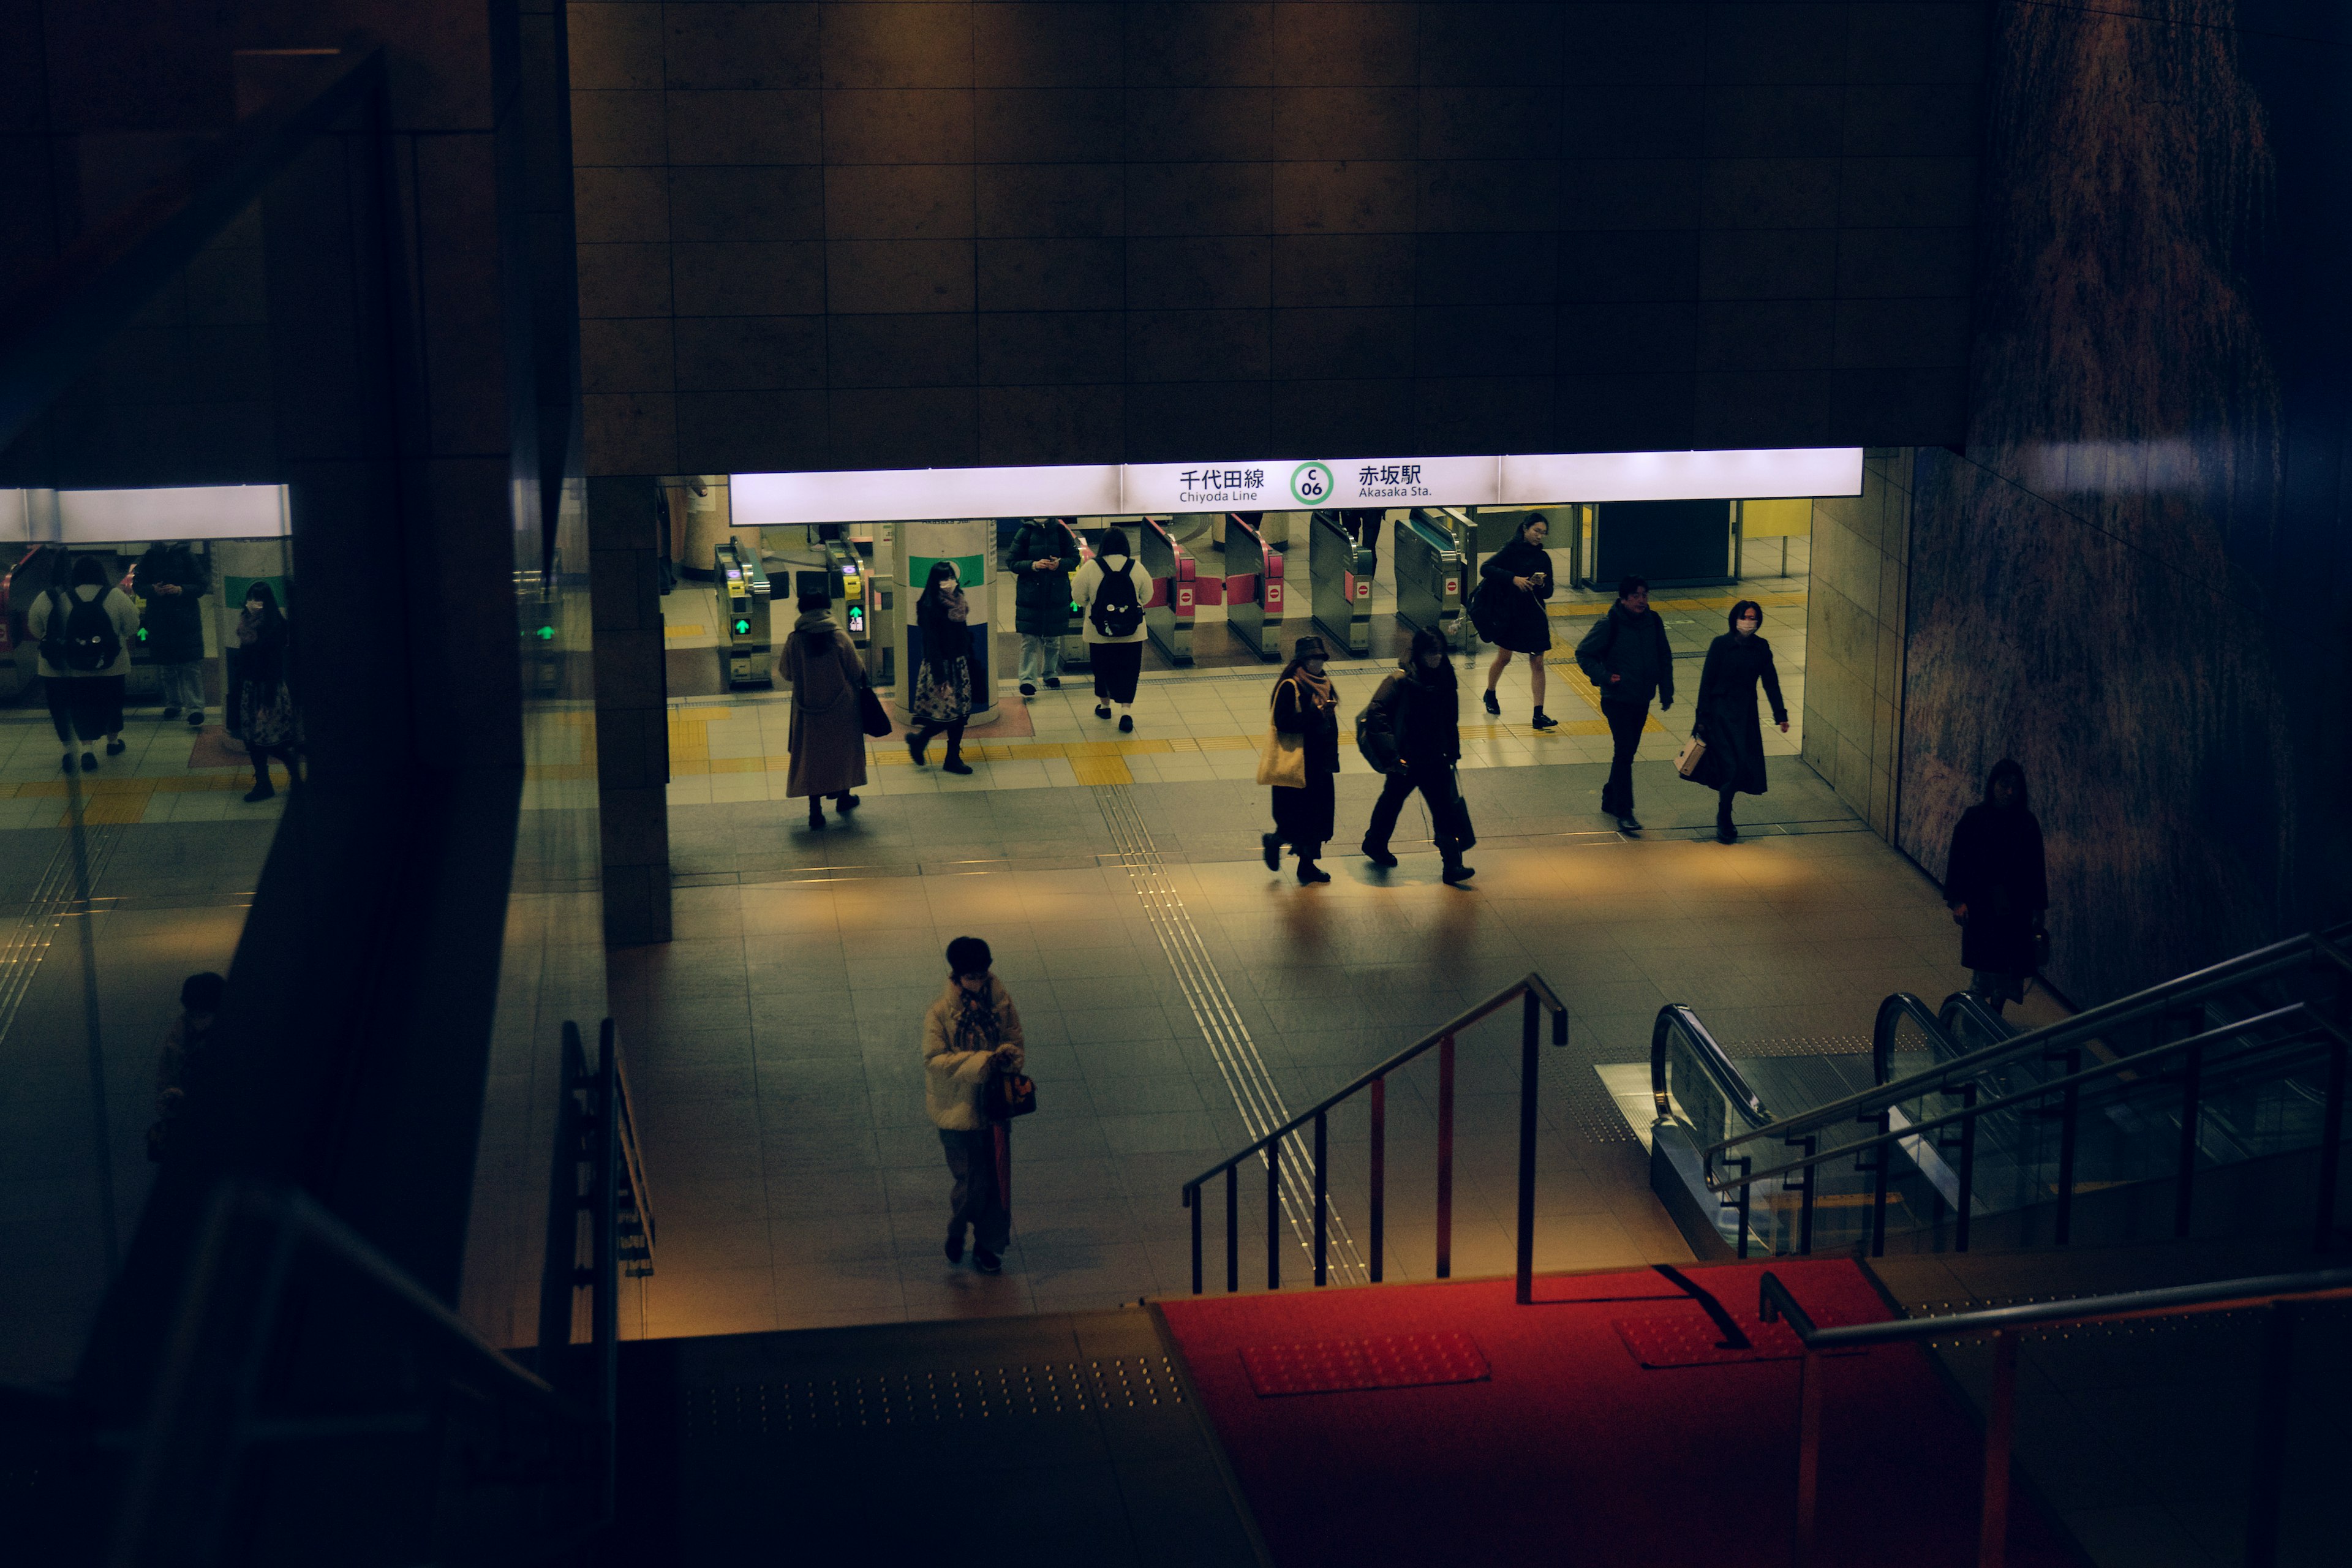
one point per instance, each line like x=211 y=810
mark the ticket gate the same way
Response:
x=849 y=579
x=1342 y=573
x=745 y=655
x=1177 y=590
x=1431 y=571
x=1075 y=652
x=1254 y=596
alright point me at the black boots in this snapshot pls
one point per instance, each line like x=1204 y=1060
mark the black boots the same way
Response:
x=1492 y=705
x=1543 y=721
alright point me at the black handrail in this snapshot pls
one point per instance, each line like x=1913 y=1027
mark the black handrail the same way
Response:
x=1536 y=996
x=2282 y=1293
x=1676 y=1018
x=52 y=326
x=1891 y=1013
x=2262 y=964
x=2337 y=1043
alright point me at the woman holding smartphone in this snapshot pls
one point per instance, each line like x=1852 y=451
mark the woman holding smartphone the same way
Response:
x=1513 y=585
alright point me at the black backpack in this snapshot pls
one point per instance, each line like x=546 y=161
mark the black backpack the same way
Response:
x=1116 y=612
x=80 y=635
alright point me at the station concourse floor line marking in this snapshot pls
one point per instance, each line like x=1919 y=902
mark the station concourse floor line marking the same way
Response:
x=1246 y=1077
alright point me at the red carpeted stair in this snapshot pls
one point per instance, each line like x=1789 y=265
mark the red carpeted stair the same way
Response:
x=1568 y=1449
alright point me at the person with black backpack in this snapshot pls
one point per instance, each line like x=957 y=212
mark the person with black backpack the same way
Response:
x=1110 y=592
x=84 y=629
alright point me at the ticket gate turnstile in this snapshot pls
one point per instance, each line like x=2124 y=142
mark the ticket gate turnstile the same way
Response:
x=1254 y=591
x=1176 y=591
x=1341 y=572
x=746 y=654
x=1432 y=570
x=850 y=581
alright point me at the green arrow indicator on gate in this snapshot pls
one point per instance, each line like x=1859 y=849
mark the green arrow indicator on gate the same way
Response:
x=742 y=629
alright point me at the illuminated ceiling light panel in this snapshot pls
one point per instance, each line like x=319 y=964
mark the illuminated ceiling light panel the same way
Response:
x=889 y=495
x=131 y=516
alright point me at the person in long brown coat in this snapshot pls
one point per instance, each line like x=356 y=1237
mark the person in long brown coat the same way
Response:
x=827 y=739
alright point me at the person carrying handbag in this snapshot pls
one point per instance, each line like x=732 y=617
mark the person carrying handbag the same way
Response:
x=828 y=738
x=1412 y=732
x=971 y=1034
x=1304 y=744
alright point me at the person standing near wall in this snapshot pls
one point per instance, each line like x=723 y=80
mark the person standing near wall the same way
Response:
x=1509 y=611
x=827 y=739
x=1111 y=591
x=971 y=1033
x=1626 y=658
x=1996 y=882
x=83 y=628
x=1732 y=763
x=1044 y=553
x=264 y=701
x=174 y=582
x=940 y=687
x=1305 y=712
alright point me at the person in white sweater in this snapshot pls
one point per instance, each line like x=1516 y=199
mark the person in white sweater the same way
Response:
x=84 y=628
x=1110 y=592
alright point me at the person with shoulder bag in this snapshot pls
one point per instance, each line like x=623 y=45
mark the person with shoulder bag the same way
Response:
x=1301 y=759
x=1110 y=592
x=83 y=628
x=940 y=695
x=1412 y=732
x=971 y=1037
x=1044 y=553
x=828 y=738
x=1627 y=658
x=1731 y=761
x=1508 y=610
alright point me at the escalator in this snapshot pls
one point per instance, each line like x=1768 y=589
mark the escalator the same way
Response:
x=2215 y=1101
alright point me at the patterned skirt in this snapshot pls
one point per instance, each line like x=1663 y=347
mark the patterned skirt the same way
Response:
x=941 y=696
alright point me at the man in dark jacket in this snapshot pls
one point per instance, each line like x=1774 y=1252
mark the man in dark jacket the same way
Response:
x=1413 y=733
x=170 y=583
x=1044 y=553
x=1625 y=656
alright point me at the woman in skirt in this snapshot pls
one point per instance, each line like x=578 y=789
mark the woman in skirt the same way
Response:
x=938 y=696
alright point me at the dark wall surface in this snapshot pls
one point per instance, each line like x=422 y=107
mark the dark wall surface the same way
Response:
x=2134 y=578
x=889 y=235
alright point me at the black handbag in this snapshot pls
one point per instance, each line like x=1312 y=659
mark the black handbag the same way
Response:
x=1010 y=1094
x=1464 y=835
x=870 y=716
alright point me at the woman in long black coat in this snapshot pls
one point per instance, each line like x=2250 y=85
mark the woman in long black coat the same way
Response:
x=1734 y=762
x=1513 y=584
x=1998 y=886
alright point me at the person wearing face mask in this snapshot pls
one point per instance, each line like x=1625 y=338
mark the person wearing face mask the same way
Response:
x=264 y=703
x=1412 y=732
x=1508 y=610
x=1045 y=553
x=1732 y=763
x=1626 y=658
x=1996 y=882
x=940 y=696
x=1110 y=592
x=972 y=1033
x=1305 y=710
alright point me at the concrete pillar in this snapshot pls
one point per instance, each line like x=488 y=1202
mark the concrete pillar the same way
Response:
x=632 y=715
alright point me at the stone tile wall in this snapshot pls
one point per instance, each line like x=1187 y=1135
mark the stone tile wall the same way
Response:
x=882 y=235
x=1853 y=646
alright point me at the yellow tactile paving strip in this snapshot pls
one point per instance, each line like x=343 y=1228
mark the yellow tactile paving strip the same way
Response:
x=1595 y=607
x=1094 y=762
x=121 y=800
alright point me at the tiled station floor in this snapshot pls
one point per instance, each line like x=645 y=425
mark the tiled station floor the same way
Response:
x=1167 y=981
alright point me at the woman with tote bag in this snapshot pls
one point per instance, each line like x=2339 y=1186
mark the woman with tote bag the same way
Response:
x=1300 y=759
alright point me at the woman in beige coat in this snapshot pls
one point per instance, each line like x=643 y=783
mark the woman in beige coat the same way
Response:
x=828 y=738
x=970 y=1033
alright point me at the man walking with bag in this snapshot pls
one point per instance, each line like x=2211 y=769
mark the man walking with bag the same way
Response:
x=1413 y=733
x=1626 y=658
x=971 y=1033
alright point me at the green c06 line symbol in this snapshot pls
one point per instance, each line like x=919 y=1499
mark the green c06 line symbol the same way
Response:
x=1311 y=484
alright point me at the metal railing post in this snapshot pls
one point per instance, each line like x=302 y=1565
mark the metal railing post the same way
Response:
x=1747 y=1197
x=1526 y=1251
x=2268 y=1468
x=561 y=1262
x=1885 y=1158
x=2193 y=1114
x=1380 y=1173
x=604 y=1303
x=1968 y=1203
x=1273 y=1215
x=2331 y=1148
x=1192 y=1202
x=1322 y=1202
x=2000 y=1422
x=2070 y=1114
x=1809 y=1455
x=1445 y=1158
x=1233 y=1229
x=1805 y=1204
